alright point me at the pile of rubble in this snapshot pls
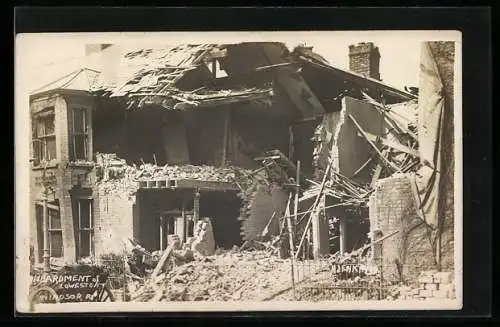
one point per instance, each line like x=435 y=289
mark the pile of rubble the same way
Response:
x=115 y=175
x=230 y=276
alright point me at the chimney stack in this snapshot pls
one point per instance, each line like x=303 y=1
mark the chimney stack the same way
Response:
x=364 y=59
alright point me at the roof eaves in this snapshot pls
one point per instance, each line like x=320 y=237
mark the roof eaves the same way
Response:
x=360 y=78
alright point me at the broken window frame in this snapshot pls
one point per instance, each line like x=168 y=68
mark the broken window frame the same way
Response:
x=85 y=230
x=77 y=135
x=41 y=139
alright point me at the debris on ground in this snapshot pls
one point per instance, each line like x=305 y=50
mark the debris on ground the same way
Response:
x=231 y=276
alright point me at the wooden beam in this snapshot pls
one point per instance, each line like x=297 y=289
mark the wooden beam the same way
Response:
x=273 y=66
x=393 y=144
x=363 y=166
x=291 y=241
x=162 y=261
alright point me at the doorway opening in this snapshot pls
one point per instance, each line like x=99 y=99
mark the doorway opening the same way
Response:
x=223 y=209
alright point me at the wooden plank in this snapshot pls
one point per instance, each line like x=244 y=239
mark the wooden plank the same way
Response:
x=265 y=231
x=378 y=171
x=290 y=239
x=393 y=144
x=162 y=261
x=297 y=191
x=363 y=166
x=194 y=103
x=273 y=66
x=376 y=174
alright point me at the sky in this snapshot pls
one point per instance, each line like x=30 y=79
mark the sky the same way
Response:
x=399 y=50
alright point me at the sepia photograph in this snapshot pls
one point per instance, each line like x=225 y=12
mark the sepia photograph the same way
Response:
x=236 y=171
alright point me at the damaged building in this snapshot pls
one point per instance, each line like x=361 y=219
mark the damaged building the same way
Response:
x=144 y=143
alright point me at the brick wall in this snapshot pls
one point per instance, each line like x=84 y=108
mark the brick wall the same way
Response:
x=113 y=214
x=392 y=208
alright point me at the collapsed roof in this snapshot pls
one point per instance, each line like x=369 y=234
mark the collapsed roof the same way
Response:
x=331 y=83
x=184 y=76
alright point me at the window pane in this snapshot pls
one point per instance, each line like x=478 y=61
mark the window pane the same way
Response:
x=49 y=125
x=79 y=147
x=43 y=149
x=56 y=244
x=54 y=219
x=85 y=214
x=171 y=226
x=37 y=150
x=85 y=241
x=51 y=148
x=79 y=120
x=40 y=127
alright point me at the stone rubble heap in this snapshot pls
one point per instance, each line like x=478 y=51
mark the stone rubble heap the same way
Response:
x=230 y=276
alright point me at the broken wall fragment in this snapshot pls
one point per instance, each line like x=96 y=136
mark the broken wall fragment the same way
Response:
x=351 y=150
